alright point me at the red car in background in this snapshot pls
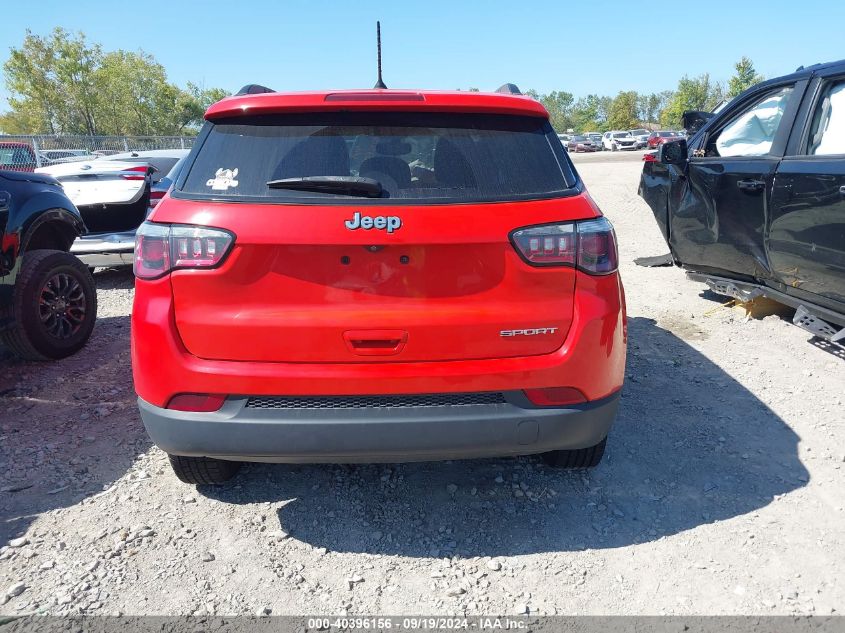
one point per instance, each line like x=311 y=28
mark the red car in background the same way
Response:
x=656 y=139
x=16 y=156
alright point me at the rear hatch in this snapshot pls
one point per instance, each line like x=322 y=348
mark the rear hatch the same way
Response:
x=110 y=195
x=425 y=271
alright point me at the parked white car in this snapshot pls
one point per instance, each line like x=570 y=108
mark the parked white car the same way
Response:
x=642 y=137
x=618 y=139
x=113 y=195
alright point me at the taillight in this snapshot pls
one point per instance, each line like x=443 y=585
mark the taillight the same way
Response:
x=197 y=402
x=135 y=173
x=155 y=198
x=650 y=157
x=550 y=245
x=597 y=253
x=160 y=248
x=554 y=396
x=589 y=245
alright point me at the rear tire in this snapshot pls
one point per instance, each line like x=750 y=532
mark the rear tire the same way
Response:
x=203 y=470
x=579 y=458
x=53 y=308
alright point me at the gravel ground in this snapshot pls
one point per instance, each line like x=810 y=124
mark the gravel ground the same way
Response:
x=721 y=490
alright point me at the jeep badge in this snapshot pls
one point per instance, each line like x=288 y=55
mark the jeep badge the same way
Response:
x=366 y=222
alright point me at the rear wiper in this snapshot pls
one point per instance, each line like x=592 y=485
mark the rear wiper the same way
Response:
x=352 y=185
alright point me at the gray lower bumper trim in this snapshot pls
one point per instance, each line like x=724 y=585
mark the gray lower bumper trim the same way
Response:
x=370 y=435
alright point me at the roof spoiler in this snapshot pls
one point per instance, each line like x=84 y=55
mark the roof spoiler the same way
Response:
x=253 y=89
x=509 y=89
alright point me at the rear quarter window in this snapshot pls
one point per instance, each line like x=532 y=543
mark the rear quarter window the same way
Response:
x=418 y=157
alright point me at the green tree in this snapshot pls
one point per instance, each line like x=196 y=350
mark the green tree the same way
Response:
x=559 y=106
x=63 y=84
x=745 y=77
x=651 y=105
x=192 y=103
x=604 y=112
x=136 y=97
x=587 y=113
x=697 y=93
x=623 y=111
x=30 y=78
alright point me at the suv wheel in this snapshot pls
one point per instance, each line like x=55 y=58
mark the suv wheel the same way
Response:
x=613 y=147
x=54 y=306
x=203 y=470
x=578 y=458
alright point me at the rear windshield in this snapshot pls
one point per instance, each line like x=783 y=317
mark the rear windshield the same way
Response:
x=422 y=157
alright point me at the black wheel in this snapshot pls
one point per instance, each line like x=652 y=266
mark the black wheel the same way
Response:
x=613 y=147
x=54 y=306
x=578 y=458
x=203 y=470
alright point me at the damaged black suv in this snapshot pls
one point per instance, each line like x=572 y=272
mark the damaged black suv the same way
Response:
x=754 y=202
x=48 y=301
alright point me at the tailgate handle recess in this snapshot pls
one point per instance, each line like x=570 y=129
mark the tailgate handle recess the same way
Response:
x=375 y=342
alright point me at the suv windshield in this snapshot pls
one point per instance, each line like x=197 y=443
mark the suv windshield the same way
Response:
x=413 y=156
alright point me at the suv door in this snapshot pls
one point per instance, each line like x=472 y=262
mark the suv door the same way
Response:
x=717 y=217
x=806 y=240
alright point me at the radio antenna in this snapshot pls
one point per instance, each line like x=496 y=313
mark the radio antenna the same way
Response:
x=379 y=83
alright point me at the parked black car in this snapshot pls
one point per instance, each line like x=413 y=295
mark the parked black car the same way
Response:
x=754 y=202
x=48 y=302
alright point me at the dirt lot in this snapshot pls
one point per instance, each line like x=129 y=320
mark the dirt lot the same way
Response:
x=722 y=490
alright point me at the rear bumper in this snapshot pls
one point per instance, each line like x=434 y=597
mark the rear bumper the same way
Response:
x=591 y=359
x=337 y=435
x=105 y=249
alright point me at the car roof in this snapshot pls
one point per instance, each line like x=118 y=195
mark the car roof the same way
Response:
x=378 y=100
x=802 y=73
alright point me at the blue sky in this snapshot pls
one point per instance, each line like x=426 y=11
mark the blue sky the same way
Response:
x=582 y=47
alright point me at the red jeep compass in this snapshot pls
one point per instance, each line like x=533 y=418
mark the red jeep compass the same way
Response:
x=378 y=275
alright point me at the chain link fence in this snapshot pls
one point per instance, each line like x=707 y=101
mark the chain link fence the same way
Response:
x=41 y=150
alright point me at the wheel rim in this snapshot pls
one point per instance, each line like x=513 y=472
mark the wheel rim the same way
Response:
x=61 y=306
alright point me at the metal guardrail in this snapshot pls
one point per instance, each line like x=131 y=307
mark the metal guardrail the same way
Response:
x=49 y=148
